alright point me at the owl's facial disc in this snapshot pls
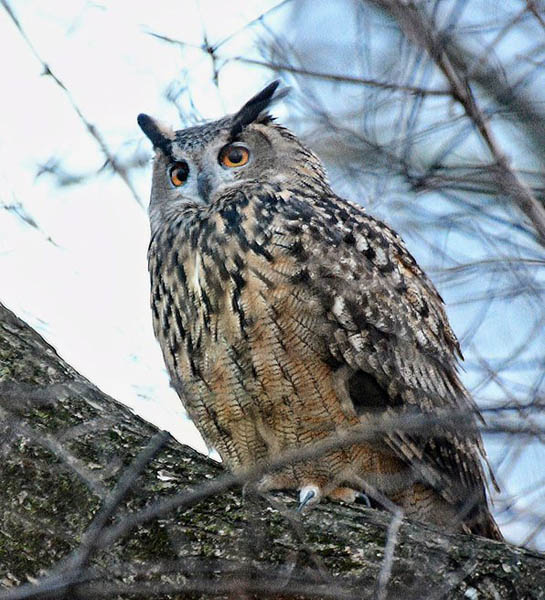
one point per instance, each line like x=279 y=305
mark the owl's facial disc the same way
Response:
x=231 y=158
x=199 y=163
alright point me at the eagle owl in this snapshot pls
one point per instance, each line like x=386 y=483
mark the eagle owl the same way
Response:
x=286 y=314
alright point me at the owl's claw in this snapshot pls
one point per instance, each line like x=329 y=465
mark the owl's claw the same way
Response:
x=307 y=494
x=362 y=498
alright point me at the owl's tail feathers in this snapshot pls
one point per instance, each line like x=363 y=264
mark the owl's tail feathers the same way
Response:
x=482 y=523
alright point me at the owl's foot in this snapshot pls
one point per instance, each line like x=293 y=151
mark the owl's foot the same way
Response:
x=349 y=495
x=312 y=494
x=343 y=494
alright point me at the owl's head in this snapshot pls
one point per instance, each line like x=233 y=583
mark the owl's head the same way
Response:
x=196 y=165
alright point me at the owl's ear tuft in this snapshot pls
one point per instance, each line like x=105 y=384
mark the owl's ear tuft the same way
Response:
x=252 y=110
x=159 y=134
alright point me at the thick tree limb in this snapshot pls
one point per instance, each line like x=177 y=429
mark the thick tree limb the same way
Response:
x=77 y=467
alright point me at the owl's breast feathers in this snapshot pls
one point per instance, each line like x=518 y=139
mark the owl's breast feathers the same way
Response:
x=284 y=315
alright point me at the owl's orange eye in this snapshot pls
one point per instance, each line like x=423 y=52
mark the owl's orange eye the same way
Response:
x=234 y=156
x=178 y=173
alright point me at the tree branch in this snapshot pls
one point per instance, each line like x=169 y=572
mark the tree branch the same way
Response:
x=165 y=531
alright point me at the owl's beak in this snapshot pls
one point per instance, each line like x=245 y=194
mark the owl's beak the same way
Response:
x=204 y=185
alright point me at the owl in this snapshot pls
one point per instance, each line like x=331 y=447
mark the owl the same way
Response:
x=287 y=315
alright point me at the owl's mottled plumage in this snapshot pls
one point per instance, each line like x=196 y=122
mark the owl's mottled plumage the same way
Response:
x=286 y=313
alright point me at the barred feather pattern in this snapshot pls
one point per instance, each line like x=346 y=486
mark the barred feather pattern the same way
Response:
x=286 y=314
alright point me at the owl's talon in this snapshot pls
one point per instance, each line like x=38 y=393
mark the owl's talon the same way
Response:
x=303 y=501
x=362 y=498
x=307 y=494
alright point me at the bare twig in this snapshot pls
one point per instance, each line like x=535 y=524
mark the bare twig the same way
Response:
x=385 y=85
x=388 y=560
x=71 y=572
x=90 y=542
x=112 y=160
x=417 y=28
x=53 y=445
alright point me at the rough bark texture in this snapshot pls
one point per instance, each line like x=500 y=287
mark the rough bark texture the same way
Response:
x=65 y=446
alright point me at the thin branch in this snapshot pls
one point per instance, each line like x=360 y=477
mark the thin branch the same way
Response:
x=58 y=450
x=532 y=7
x=388 y=560
x=93 y=131
x=419 y=91
x=416 y=27
x=90 y=542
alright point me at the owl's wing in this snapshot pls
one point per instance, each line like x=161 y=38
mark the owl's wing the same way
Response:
x=388 y=329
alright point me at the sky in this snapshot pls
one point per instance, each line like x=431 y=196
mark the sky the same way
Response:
x=73 y=257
